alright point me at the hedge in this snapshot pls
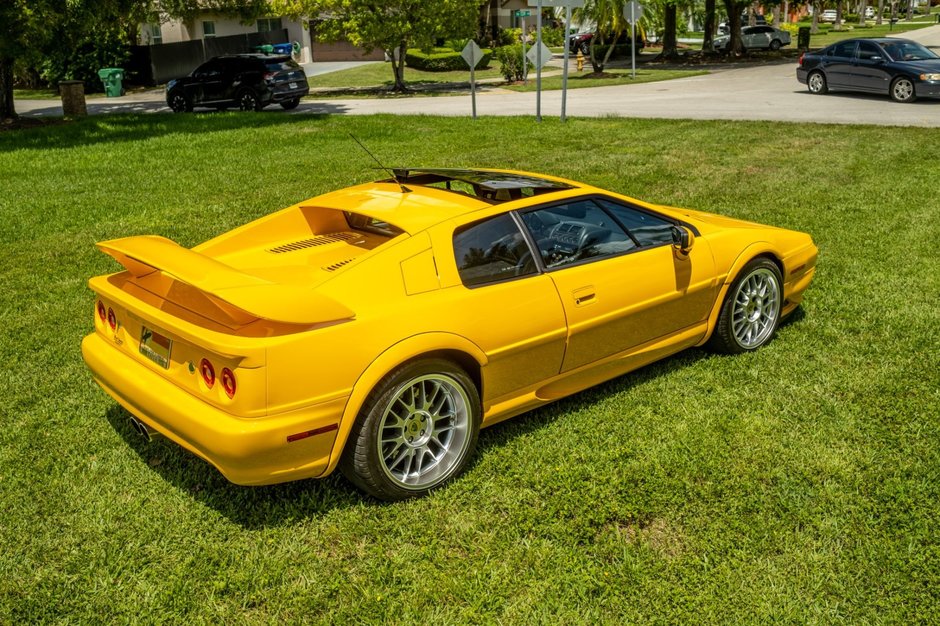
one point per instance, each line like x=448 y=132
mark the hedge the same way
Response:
x=443 y=60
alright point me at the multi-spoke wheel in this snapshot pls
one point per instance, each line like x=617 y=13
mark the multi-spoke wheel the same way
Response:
x=249 y=101
x=416 y=430
x=902 y=90
x=816 y=83
x=751 y=311
x=179 y=102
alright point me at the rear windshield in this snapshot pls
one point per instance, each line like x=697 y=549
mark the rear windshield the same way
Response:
x=282 y=66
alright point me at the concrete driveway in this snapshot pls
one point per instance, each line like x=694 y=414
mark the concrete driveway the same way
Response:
x=752 y=93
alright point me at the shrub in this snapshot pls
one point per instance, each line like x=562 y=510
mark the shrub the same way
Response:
x=510 y=61
x=621 y=50
x=443 y=60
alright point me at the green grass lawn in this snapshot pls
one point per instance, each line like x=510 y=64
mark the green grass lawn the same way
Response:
x=822 y=39
x=577 y=80
x=798 y=484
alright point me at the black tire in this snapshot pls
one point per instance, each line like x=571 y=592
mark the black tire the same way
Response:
x=902 y=90
x=750 y=312
x=248 y=101
x=179 y=102
x=383 y=445
x=775 y=45
x=585 y=48
x=287 y=105
x=816 y=83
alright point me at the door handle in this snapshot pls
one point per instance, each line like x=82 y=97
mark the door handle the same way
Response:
x=584 y=296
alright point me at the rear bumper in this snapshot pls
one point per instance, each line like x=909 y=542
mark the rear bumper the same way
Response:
x=278 y=95
x=247 y=451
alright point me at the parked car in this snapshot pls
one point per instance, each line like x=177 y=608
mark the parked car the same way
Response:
x=247 y=81
x=378 y=328
x=829 y=15
x=756 y=38
x=759 y=20
x=869 y=12
x=901 y=68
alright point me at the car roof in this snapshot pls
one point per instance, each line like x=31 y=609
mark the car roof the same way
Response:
x=418 y=198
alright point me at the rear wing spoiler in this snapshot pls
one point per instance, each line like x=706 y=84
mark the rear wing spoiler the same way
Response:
x=256 y=296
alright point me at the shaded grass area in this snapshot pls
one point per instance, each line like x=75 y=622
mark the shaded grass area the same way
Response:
x=379 y=75
x=824 y=38
x=609 y=77
x=795 y=484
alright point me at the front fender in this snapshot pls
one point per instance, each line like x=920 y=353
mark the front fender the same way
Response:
x=403 y=351
x=753 y=250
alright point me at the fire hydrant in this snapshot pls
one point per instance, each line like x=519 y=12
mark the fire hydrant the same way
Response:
x=580 y=61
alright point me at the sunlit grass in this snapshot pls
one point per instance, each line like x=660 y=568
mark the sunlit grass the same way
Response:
x=798 y=484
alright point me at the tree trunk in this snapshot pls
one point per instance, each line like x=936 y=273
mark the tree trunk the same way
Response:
x=786 y=11
x=7 y=110
x=814 y=27
x=398 y=66
x=734 y=10
x=881 y=10
x=670 y=39
x=709 y=33
x=596 y=67
x=752 y=14
x=910 y=9
x=861 y=12
x=838 y=24
x=777 y=16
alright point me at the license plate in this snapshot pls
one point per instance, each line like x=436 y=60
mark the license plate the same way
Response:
x=292 y=85
x=155 y=347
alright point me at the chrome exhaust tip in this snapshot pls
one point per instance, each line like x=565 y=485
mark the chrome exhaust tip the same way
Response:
x=142 y=429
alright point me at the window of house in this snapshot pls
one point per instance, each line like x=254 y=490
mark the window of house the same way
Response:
x=208 y=29
x=267 y=24
x=492 y=250
x=156 y=35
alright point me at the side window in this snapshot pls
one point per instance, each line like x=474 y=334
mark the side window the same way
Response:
x=572 y=232
x=491 y=251
x=645 y=228
x=208 y=69
x=867 y=50
x=845 y=49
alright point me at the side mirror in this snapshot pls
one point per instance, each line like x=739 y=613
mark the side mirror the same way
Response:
x=682 y=240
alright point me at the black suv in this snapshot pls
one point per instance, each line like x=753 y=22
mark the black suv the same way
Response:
x=247 y=81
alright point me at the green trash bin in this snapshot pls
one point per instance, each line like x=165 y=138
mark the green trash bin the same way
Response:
x=802 y=38
x=264 y=48
x=112 y=78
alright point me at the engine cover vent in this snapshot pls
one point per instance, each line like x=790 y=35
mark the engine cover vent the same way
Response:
x=335 y=266
x=319 y=240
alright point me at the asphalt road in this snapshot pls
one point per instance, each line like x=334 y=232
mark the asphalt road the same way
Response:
x=752 y=92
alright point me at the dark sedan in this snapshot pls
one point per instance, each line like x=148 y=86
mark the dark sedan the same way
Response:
x=903 y=69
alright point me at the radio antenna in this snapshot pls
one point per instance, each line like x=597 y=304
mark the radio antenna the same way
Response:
x=392 y=172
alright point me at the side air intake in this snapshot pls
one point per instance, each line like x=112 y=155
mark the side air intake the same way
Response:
x=319 y=240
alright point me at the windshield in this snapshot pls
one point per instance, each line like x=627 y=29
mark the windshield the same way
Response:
x=908 y=51
x=281 y=66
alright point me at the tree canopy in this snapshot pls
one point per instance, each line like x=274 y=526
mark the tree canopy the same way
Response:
x=389 y=25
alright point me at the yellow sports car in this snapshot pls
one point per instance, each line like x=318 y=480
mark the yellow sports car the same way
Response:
x=378 y=328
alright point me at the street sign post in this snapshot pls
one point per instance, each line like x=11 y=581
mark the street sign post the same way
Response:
x=633 y=12
x=472 y=55
x=568 y=5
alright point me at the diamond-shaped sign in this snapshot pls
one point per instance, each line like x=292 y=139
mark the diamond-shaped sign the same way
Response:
x=633 y=11
x=472 y=54
x=539 y=56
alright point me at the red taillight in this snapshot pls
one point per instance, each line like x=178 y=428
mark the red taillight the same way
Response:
x=208 y=372
x=800 y=62
x=228 y=382
x=102 y=313
x=112 y=318
x=269 y=76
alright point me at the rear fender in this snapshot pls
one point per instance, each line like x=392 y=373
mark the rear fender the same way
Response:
x=402 y=352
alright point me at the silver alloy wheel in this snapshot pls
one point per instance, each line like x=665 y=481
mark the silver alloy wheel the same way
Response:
x=817 y=82
x=756 y=308
x=424 y=432
x=903 y=90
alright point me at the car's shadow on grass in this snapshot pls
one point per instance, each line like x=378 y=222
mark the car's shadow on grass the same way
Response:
x=287 y=503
